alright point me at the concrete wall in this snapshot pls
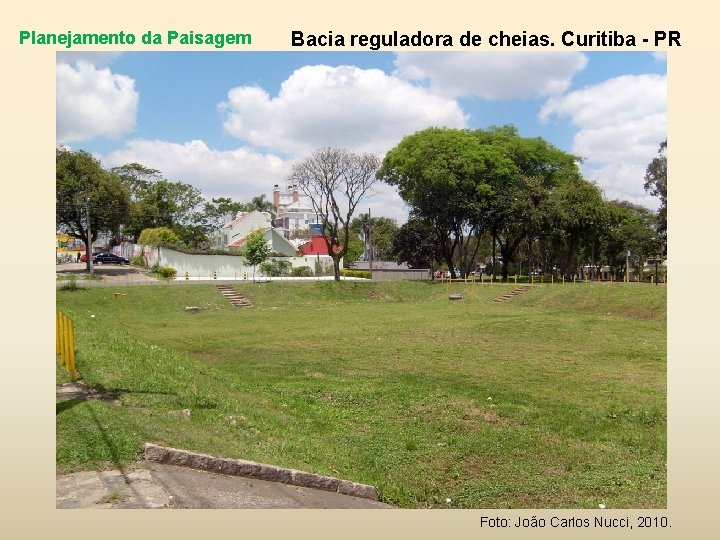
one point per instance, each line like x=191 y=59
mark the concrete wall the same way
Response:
x=384 y=275
x=226 y=266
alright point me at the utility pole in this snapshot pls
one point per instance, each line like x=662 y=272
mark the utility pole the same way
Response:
x=370 y=241
x=627 y=267
x=88 y=247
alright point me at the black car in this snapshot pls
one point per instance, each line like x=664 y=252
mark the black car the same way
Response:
x=109 y=258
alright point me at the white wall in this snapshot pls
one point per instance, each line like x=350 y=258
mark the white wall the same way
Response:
x=226 y=266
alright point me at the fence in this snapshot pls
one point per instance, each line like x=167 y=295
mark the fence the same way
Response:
x=65 y=342
x=546 y=279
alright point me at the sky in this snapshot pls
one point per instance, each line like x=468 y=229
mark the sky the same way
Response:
x=233 y=123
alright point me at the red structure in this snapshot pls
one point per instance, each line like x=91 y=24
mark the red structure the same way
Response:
x=316 y=246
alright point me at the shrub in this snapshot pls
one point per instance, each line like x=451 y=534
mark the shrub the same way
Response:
x=163 y=271
x=167 y=272
x=356 y=273
x=276 y=268
x=302 y=271
x=157 y=236
x=71 y=285
x=139 y=260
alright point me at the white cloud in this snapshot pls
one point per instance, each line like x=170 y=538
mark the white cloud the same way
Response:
x=621 y=123
x=492 y=75
x=93 y=102
x=364 y=110
x=97 y=59
x=240 y=174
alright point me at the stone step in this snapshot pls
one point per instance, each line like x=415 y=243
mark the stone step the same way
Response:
x=511 y=294
x=235 y=297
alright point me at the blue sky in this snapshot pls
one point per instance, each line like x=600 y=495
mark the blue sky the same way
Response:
x=232 y=123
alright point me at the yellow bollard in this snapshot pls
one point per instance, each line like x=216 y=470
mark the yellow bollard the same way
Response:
x=57 y=332
x=66 y=343
x=71 y=352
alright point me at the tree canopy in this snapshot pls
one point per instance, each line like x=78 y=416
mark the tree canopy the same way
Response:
x=656 y=185
x=465 y=183
x=82 y=188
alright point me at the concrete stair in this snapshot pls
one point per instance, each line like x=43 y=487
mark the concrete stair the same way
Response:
x=235 y=297
x=512 y=294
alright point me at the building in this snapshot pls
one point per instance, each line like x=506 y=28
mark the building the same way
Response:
x=293 y=211
x=233 y=235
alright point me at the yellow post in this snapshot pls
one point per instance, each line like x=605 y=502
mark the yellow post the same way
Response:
x=57 y=332
x=66 y=343
x=516 y=279
x=563 y=279
x=573 y=279
x=71 y=351
x=532 y=279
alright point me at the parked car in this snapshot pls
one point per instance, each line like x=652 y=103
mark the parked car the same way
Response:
x=109 y=258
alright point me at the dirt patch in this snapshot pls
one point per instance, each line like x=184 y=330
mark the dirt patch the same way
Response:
x=80 y=390
x=474 y=415
x=374 y=294
x=491 y=417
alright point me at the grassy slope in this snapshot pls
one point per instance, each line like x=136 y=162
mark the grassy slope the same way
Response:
x=555 y=399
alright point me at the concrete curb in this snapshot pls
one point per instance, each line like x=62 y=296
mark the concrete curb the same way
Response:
x=241 y=467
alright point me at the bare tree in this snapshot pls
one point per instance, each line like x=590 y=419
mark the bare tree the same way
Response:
x=335 y=180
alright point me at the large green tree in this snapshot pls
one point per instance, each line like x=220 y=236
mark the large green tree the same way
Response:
x=221 y=210
x=517 y=209
x=576 y=218
x=444 y=175
x=414 y=244
x=466 y=183
x=377 y=232
x=656 y=185
x=630 y=229
x=83 y=187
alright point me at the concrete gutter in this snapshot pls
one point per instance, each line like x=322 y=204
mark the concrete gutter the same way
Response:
x=250 y=469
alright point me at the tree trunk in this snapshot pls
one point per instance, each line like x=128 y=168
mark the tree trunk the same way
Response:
x=336 y=268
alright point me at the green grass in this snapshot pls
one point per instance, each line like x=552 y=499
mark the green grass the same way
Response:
x=554 y=399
